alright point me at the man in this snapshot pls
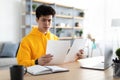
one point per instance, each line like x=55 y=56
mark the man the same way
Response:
x=33 y=46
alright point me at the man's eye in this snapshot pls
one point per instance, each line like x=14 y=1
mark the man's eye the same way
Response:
x=43 y=20
x=49 y=20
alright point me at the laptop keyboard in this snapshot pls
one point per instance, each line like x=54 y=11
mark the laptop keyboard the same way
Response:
x=100 y=65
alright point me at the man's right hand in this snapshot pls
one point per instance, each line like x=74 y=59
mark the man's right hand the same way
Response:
x=45 y=59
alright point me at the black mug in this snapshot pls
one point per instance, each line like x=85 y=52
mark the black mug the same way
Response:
x=17 y=72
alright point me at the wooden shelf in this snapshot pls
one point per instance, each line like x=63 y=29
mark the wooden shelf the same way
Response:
x=66 y=6
x=33 y=13
x=42 y=1
x=78 y=17
x=46 y=2
x=63 y=27
x=78 y=9
x=65 y=38
x=78 y=28
x=60 y=16
x=64 y=16
x=77 y=38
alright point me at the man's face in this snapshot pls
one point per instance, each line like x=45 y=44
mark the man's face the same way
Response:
x=44 y=23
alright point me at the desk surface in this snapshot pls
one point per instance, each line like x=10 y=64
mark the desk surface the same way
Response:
x=75 y=73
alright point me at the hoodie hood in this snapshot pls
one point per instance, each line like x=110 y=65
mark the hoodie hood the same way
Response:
x=36 y=32
x=48 y=35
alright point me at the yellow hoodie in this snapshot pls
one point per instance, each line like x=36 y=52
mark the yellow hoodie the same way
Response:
x=33 y=46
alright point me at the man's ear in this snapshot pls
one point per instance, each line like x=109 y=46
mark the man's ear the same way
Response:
x=37 y=20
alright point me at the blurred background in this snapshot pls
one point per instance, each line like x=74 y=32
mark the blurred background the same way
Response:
x=101 y=19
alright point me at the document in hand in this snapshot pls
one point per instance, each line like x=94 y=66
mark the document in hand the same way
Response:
x=77 y=45
x=37 y=69
x=62 y=52
x=58 y=49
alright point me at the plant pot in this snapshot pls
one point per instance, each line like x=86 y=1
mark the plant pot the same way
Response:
x=116 y=70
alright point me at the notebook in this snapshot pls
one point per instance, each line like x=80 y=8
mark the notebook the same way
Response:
x=37 y=69
x=99 y=62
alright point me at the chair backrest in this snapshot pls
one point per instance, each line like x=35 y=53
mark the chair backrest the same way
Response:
x=1 y=46
x=17 y=49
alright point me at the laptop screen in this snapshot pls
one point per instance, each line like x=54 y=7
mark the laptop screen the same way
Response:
x=108 y=54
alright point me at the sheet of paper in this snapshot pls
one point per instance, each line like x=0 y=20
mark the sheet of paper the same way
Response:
x=58 y=49
x=76 y=46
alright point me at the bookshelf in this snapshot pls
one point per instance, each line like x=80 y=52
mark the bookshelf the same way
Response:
x=67 y=23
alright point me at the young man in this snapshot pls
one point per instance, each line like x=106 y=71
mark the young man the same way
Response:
x=33 y=46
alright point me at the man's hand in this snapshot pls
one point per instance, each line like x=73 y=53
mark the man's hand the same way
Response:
x=45 y=59
x=79 y=55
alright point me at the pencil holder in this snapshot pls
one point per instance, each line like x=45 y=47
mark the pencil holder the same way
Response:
x=116 y=70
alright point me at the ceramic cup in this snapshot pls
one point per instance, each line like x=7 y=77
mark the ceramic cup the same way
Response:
x=17 y=72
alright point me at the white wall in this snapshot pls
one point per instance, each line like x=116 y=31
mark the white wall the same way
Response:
x=9 y=20
x=94 y=22
x=113 y=12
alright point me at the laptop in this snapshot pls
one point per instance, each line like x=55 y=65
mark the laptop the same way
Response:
x=99 y=62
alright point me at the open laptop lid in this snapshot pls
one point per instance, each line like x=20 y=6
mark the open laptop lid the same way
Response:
x=108 y=54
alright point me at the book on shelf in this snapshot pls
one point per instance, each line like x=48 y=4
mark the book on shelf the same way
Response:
x=38 y=69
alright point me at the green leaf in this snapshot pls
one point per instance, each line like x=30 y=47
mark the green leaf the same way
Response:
x=118 y=52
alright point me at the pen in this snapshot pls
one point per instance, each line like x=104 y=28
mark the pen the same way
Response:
x=116 y=60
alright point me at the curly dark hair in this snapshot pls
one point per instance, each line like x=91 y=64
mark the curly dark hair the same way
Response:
x=44 y=10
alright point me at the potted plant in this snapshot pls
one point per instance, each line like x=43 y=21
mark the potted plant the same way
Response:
x=59 y=30
x=116 y=63
x=117 y=52
x=81 y=32
x=34 y=6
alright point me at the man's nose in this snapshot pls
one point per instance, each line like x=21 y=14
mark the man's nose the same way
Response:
x=47 y=22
